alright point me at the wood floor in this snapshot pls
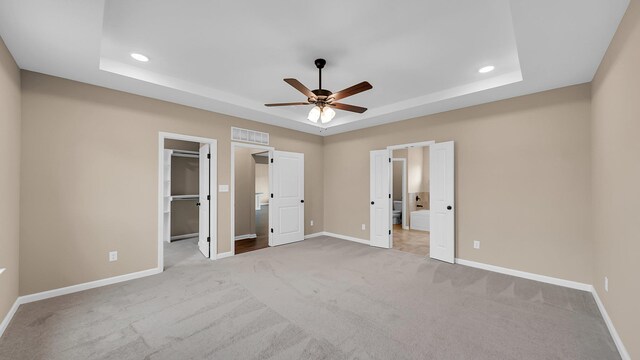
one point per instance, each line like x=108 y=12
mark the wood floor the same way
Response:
x=246 y=245
x=412 y=241
x=262 y=232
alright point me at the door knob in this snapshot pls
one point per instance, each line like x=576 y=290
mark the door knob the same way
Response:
x=372 y=203
x=449 y=207
x=302 y=201
x=197 y=204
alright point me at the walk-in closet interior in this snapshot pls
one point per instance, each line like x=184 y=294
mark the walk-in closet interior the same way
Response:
x=182 y=195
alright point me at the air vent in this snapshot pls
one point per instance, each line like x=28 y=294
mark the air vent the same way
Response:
x=244 y=135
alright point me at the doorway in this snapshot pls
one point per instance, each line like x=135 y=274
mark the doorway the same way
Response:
x=283 y=211
x=251 y=198
x=410 y=200
x=428 y=209
x=187 y=204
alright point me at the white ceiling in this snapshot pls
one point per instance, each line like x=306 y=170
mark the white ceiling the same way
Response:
x=421 y=56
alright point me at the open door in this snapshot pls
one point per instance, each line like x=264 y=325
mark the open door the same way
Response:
x=204 y=236
x=441 y=172
x=286 y=204
x=380 y=190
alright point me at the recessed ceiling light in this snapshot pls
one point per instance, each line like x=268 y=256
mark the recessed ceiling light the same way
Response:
x=486 y=69
x=139 y=57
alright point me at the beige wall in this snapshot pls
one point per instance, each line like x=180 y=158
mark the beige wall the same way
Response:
x=522 y=188
x=414 y=170
x=262 y=182
x=89 y=178
x=245 y=187
x=397 y=180
x=616 y=179
x=9 y=178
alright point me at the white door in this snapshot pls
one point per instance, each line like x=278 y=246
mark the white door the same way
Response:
x=204 y=237
x=441 y=173
x=286 y=205
x=380 y=190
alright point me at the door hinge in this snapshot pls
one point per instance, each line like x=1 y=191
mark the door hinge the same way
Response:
x=272 y=195
x=272 y=230
x=272 y=160
x=208 y=197
x=389 y=159
x=389 y=232
x=208 y=156
x=208 y=239
x=389 y=196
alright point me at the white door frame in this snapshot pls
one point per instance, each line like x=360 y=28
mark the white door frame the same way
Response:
x=232 y=186
x=401 y=147
x=404 y=193
x=213 y=187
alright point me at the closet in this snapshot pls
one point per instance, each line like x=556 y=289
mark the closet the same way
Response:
x=181 y=190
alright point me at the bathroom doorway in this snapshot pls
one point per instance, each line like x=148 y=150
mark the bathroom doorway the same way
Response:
x=410 y=200
x=430 y=190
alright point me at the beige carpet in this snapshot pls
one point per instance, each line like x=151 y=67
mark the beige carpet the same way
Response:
x=322 y=298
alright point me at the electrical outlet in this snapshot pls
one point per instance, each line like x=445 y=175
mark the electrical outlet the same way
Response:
x=606 y=284
x=364 y=227
x=113 y=256
x=476 y=244
x=311 y=222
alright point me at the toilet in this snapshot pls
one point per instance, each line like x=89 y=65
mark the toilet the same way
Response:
x=397 y=212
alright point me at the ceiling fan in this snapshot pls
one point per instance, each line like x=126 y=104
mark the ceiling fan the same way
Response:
x=323 y=99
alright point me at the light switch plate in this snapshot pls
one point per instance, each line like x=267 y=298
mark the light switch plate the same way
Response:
x=223 y=188
x=113 y=256
x=476 y=244
x=364 y=227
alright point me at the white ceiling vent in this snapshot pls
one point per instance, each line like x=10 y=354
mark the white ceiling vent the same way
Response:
x=256 y=137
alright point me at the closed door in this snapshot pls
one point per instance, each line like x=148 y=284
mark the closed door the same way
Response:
x=441 y=172
x=204 y=236
x=287 y=198
x=380 y=199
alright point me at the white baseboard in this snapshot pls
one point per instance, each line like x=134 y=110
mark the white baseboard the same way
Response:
x=245 y=236
x=314 y=235
x=86 y=286
x=25 y=299
x=612 y=330
x=9 y=316
x=560 y=282
x=526 y=275
x=223 y=255
x=345 y=237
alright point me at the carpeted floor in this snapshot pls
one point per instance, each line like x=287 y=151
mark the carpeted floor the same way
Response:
x=322 y=298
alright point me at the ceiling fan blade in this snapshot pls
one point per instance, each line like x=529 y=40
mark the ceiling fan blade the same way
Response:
x=303 y=89
x=288 y=104
x=348 y=107
x=355 y=89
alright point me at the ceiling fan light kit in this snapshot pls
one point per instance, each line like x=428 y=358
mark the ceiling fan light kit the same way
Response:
x=314 y=114
x=324 y=100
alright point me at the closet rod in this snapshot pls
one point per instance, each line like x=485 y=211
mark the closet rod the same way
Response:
x=186 y=155
x=184 y=197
